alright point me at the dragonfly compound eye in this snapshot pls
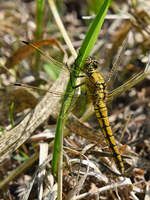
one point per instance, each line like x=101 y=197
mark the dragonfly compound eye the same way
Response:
x=95 y=64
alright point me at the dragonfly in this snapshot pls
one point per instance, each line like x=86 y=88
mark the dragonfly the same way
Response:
x=96 y=88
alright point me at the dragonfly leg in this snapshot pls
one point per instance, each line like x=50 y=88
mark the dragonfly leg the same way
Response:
x=79 y=85
x=81 y=76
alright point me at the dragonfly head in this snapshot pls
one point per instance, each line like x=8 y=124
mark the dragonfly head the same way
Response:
x=90 y=64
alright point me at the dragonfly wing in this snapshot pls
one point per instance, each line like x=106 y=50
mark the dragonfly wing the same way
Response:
x=126 y=86
x=58 y=65
x=116 y=63
x=130 y=83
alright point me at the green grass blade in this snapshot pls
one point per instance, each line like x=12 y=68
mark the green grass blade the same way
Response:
x=40 y=4
x=2 y=130
x=84 y=53
x=11 y=114
x=39 y=18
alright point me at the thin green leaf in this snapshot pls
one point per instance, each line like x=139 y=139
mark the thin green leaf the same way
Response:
x=2 y=130
x=11 y=114
x=51 y=70
x=40 y=4
x=39 y=18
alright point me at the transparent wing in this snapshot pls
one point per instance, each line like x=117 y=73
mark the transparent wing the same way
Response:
x=57 y=64
x=30 y=47
x=116 y=63
x=130 y=83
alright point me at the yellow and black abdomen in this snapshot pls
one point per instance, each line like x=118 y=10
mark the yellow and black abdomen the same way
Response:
x=102 y=116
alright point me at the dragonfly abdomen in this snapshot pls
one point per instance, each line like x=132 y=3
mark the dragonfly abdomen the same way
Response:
x=102 y=116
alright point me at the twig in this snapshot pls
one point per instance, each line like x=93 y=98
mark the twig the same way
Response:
x=62 y=28
x=125 y=182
